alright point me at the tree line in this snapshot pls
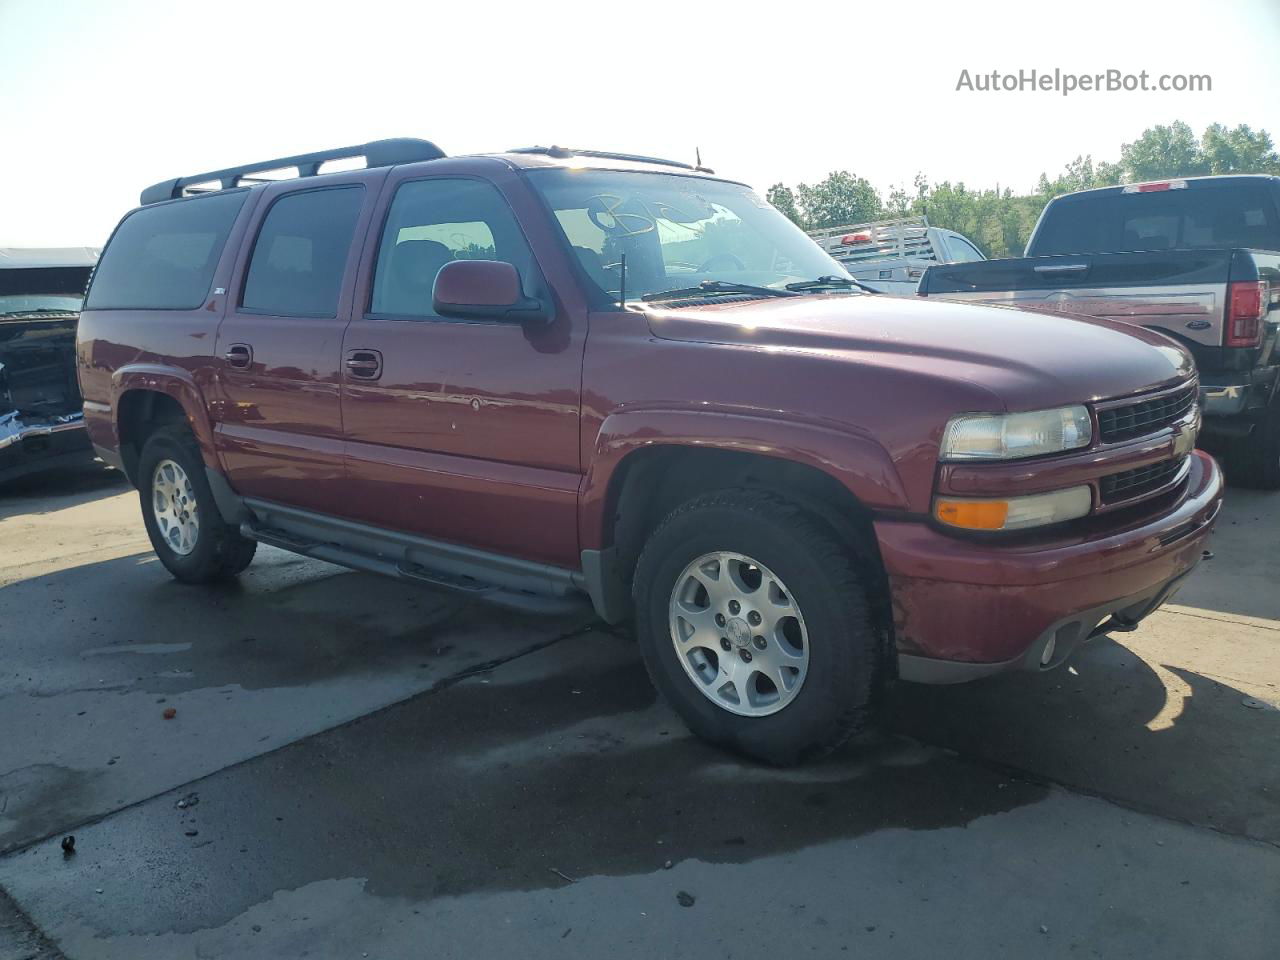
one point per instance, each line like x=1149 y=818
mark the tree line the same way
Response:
x=1000 y=221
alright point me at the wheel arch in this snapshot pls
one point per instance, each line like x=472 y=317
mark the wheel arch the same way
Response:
x=637 y=479
x=150 y=396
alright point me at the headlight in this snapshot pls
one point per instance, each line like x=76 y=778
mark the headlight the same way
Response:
x=1014 y=513
x=1009 y=436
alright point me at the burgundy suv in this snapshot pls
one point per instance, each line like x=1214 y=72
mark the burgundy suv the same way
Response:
x=544 y=373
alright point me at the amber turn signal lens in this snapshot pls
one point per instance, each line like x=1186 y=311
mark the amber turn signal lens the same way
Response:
x=973 y=514
x=1015 y=513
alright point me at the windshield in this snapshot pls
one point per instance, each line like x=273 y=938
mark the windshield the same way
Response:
x=677 y=232
x=39 y=303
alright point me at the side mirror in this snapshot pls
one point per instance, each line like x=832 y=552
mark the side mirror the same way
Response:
x=485 y=290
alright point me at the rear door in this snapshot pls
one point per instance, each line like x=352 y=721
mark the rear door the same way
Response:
x=464 y=431
x=279 y=348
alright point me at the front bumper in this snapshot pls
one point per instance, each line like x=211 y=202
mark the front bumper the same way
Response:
x=966 y=608
x=30 y=444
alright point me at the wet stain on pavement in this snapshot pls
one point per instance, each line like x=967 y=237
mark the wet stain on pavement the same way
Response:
x=289 y=624
x=490 y=786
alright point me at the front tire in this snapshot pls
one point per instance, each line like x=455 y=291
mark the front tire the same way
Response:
x=187 y=532
x=753 y=623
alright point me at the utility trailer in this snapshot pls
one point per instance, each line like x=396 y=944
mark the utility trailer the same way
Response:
x=892 y=255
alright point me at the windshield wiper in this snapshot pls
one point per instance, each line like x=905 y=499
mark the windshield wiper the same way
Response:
x=823 y=282
x=712 y=287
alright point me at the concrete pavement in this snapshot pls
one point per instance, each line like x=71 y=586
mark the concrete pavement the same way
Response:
x=359 y=768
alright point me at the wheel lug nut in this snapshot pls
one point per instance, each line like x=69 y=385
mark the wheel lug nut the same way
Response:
x=719 y=619
x=724 y=644
x=734 y=607
x=759 y=642
x=746 y=656
x=753 y=618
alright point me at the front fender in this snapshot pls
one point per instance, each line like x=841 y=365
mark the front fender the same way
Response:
x=855 y=460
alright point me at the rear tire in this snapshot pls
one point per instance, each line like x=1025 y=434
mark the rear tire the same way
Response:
x=781 y=597
x=1254 y=461
x=187 y=532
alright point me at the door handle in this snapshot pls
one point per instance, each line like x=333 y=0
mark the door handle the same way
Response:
x=238 y=355
x=1062 y=268
x=364 y=364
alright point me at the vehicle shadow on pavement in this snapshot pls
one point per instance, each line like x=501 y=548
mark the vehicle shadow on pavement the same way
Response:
x=53 y=490
x=1161 y=739
x=1242 y=576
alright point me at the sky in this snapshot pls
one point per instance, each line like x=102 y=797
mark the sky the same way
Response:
x=100 y=99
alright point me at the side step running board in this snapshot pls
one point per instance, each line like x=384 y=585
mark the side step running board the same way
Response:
x=463 y=584
x=555 y=599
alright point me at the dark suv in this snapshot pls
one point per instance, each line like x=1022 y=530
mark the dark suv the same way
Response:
x=545 y=373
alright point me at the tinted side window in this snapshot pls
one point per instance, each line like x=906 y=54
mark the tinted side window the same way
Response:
x=301 y=253
x=431 y=223
x=163 y=257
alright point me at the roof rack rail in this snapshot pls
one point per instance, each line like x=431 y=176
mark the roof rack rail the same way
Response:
x=565 y=152
x=377 y=153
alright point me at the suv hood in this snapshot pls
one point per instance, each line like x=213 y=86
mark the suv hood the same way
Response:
x=1027 y=360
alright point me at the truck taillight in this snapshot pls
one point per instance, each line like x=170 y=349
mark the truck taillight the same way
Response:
x=1155 y=186
x=1246 y=304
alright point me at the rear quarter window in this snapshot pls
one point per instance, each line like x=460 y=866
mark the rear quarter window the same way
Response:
x=163 y=257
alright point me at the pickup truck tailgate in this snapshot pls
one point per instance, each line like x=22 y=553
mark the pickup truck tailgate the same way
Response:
x=1178 y=291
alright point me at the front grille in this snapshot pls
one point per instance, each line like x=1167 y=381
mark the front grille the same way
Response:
x=1145 y=416
x=1134 y=483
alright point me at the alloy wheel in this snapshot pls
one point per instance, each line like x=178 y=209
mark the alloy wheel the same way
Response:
x=739 y=634
x=173 y=502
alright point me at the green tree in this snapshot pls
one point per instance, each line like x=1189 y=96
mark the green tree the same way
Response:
x=1080 y=174
x=839 y=199
x=1161 y=151
x=784 y=198
x=999 y=221
x=1240 y=150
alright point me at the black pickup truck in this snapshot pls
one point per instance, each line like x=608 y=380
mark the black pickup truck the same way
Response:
x=1197 y=259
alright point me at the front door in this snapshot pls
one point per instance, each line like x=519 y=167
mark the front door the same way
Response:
x=279 y=349
x=461 y=431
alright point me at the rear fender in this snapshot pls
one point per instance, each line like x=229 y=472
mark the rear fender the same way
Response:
x=172 y=382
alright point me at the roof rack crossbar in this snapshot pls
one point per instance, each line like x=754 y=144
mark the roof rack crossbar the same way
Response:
x=377 y=153
x=565 y=152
